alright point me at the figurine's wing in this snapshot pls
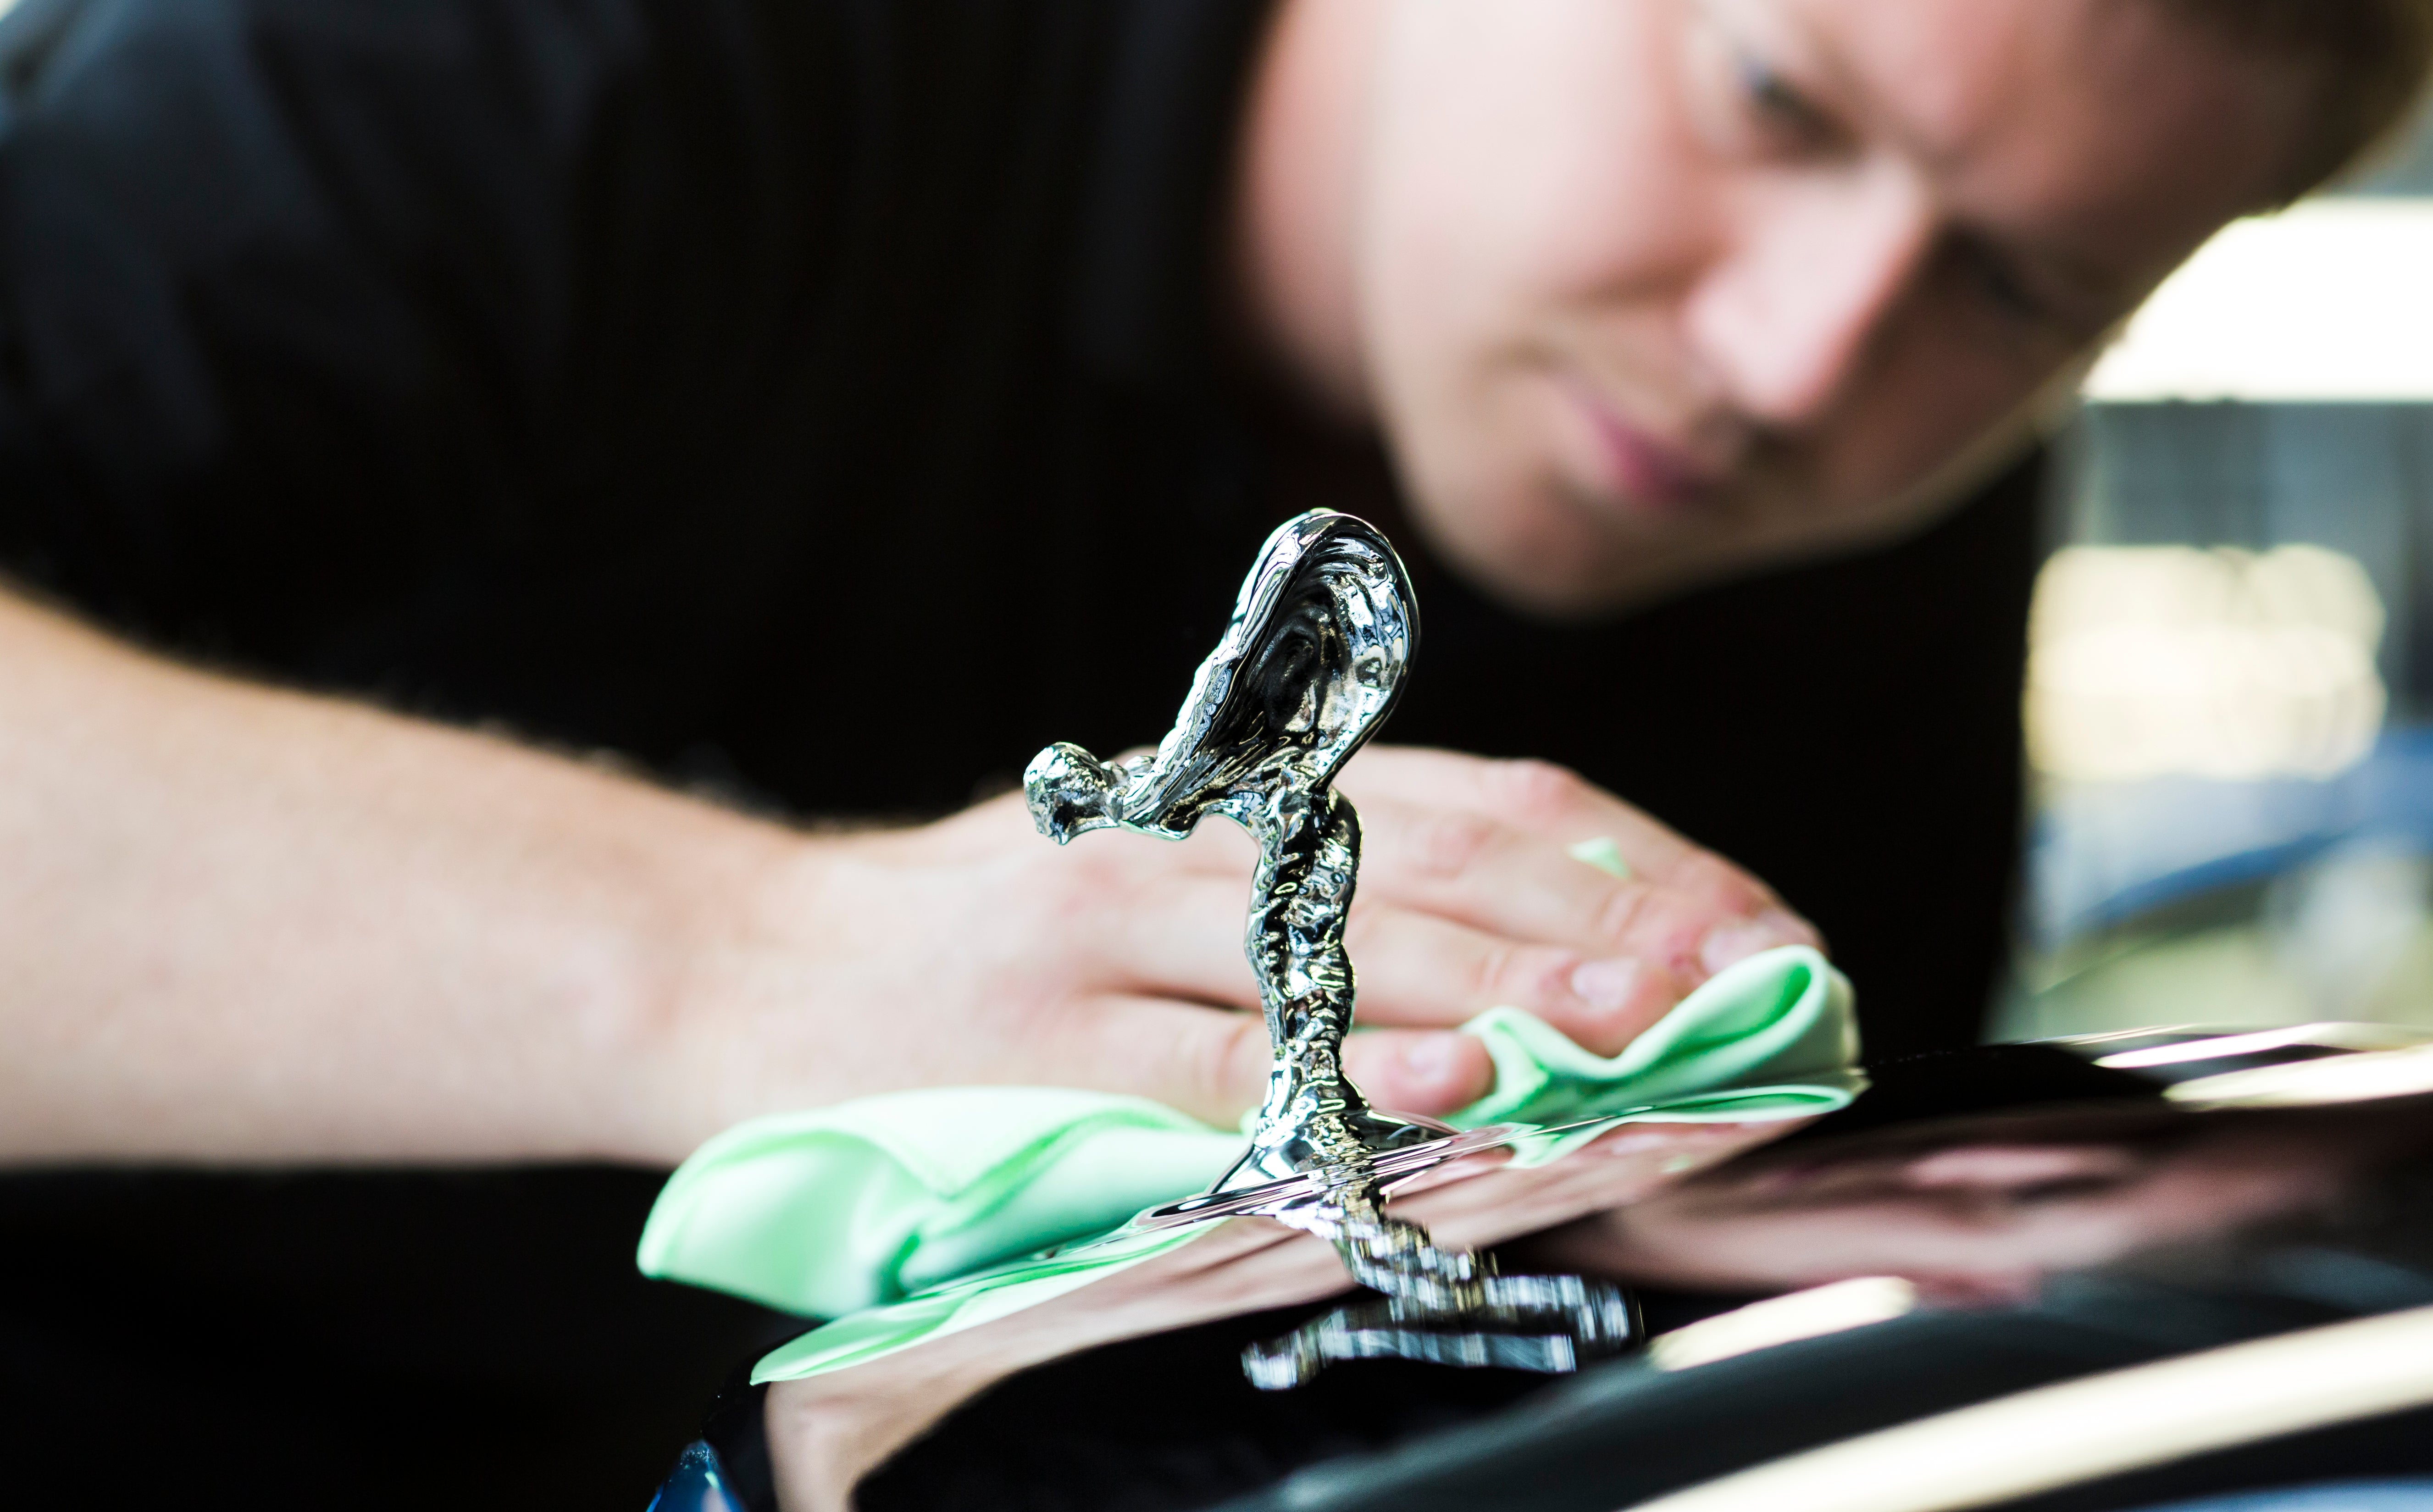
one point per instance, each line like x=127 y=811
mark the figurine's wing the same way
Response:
x=1312 y=663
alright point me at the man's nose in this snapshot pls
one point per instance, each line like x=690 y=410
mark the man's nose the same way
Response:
x=1785 y=318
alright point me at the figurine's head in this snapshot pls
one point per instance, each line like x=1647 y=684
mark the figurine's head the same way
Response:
x=1071 y=792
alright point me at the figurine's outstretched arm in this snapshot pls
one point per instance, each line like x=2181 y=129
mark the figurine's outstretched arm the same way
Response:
x=1308 y=668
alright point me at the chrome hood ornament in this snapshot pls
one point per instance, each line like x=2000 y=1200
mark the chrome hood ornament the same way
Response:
x=1311 y=664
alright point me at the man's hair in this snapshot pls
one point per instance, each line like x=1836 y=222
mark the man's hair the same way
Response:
x=2368 y=59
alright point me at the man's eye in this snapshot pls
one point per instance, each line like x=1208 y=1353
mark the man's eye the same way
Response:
x=1777 y=103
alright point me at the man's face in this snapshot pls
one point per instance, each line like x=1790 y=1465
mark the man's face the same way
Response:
x=1655 y=289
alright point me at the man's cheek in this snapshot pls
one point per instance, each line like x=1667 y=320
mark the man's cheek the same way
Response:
x=1918 y=410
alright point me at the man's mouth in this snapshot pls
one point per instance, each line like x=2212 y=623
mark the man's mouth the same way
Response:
x=1640 y=466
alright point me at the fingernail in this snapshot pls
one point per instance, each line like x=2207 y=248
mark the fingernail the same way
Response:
x=1607 y=985
x=1743 y=938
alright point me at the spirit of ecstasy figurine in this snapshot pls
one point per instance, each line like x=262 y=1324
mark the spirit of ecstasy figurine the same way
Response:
x=1312 y=663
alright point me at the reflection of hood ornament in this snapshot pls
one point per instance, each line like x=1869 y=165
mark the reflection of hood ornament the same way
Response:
x=1311 y=664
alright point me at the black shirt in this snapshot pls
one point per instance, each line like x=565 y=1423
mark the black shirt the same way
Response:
x=742 y=383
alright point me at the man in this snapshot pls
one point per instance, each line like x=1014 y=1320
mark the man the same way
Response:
x=831 y=403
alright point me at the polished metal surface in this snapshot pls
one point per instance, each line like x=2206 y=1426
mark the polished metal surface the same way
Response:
x=1312 y=662
x=1959 y=1186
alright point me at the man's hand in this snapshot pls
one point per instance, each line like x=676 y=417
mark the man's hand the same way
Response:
x=972 y=950
x=247 y=924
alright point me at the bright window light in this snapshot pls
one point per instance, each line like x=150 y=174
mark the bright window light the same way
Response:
x=2334 y=1079
x=2326 y=300
x=1804 y=1314
x=2076 y=1431
x=2170 y=660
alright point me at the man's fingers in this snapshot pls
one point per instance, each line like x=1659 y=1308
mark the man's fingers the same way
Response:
x=1416 y=1071
x=1497 y=878
x=1457 y=913
x=1416 y=969
x=1181 y=934
x=1484 y=873
x=1437 y=950
x=1469 y=897
x=1212 y=1062
x=1534 y=797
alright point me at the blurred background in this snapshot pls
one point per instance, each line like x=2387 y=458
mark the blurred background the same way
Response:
x=2230 y=689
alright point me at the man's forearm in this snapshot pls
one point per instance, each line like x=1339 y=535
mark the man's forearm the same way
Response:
x=239 y=923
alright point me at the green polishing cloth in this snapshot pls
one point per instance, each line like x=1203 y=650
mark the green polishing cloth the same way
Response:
x=921 y=1212
x=829 y=1211
x=1784 y=1017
